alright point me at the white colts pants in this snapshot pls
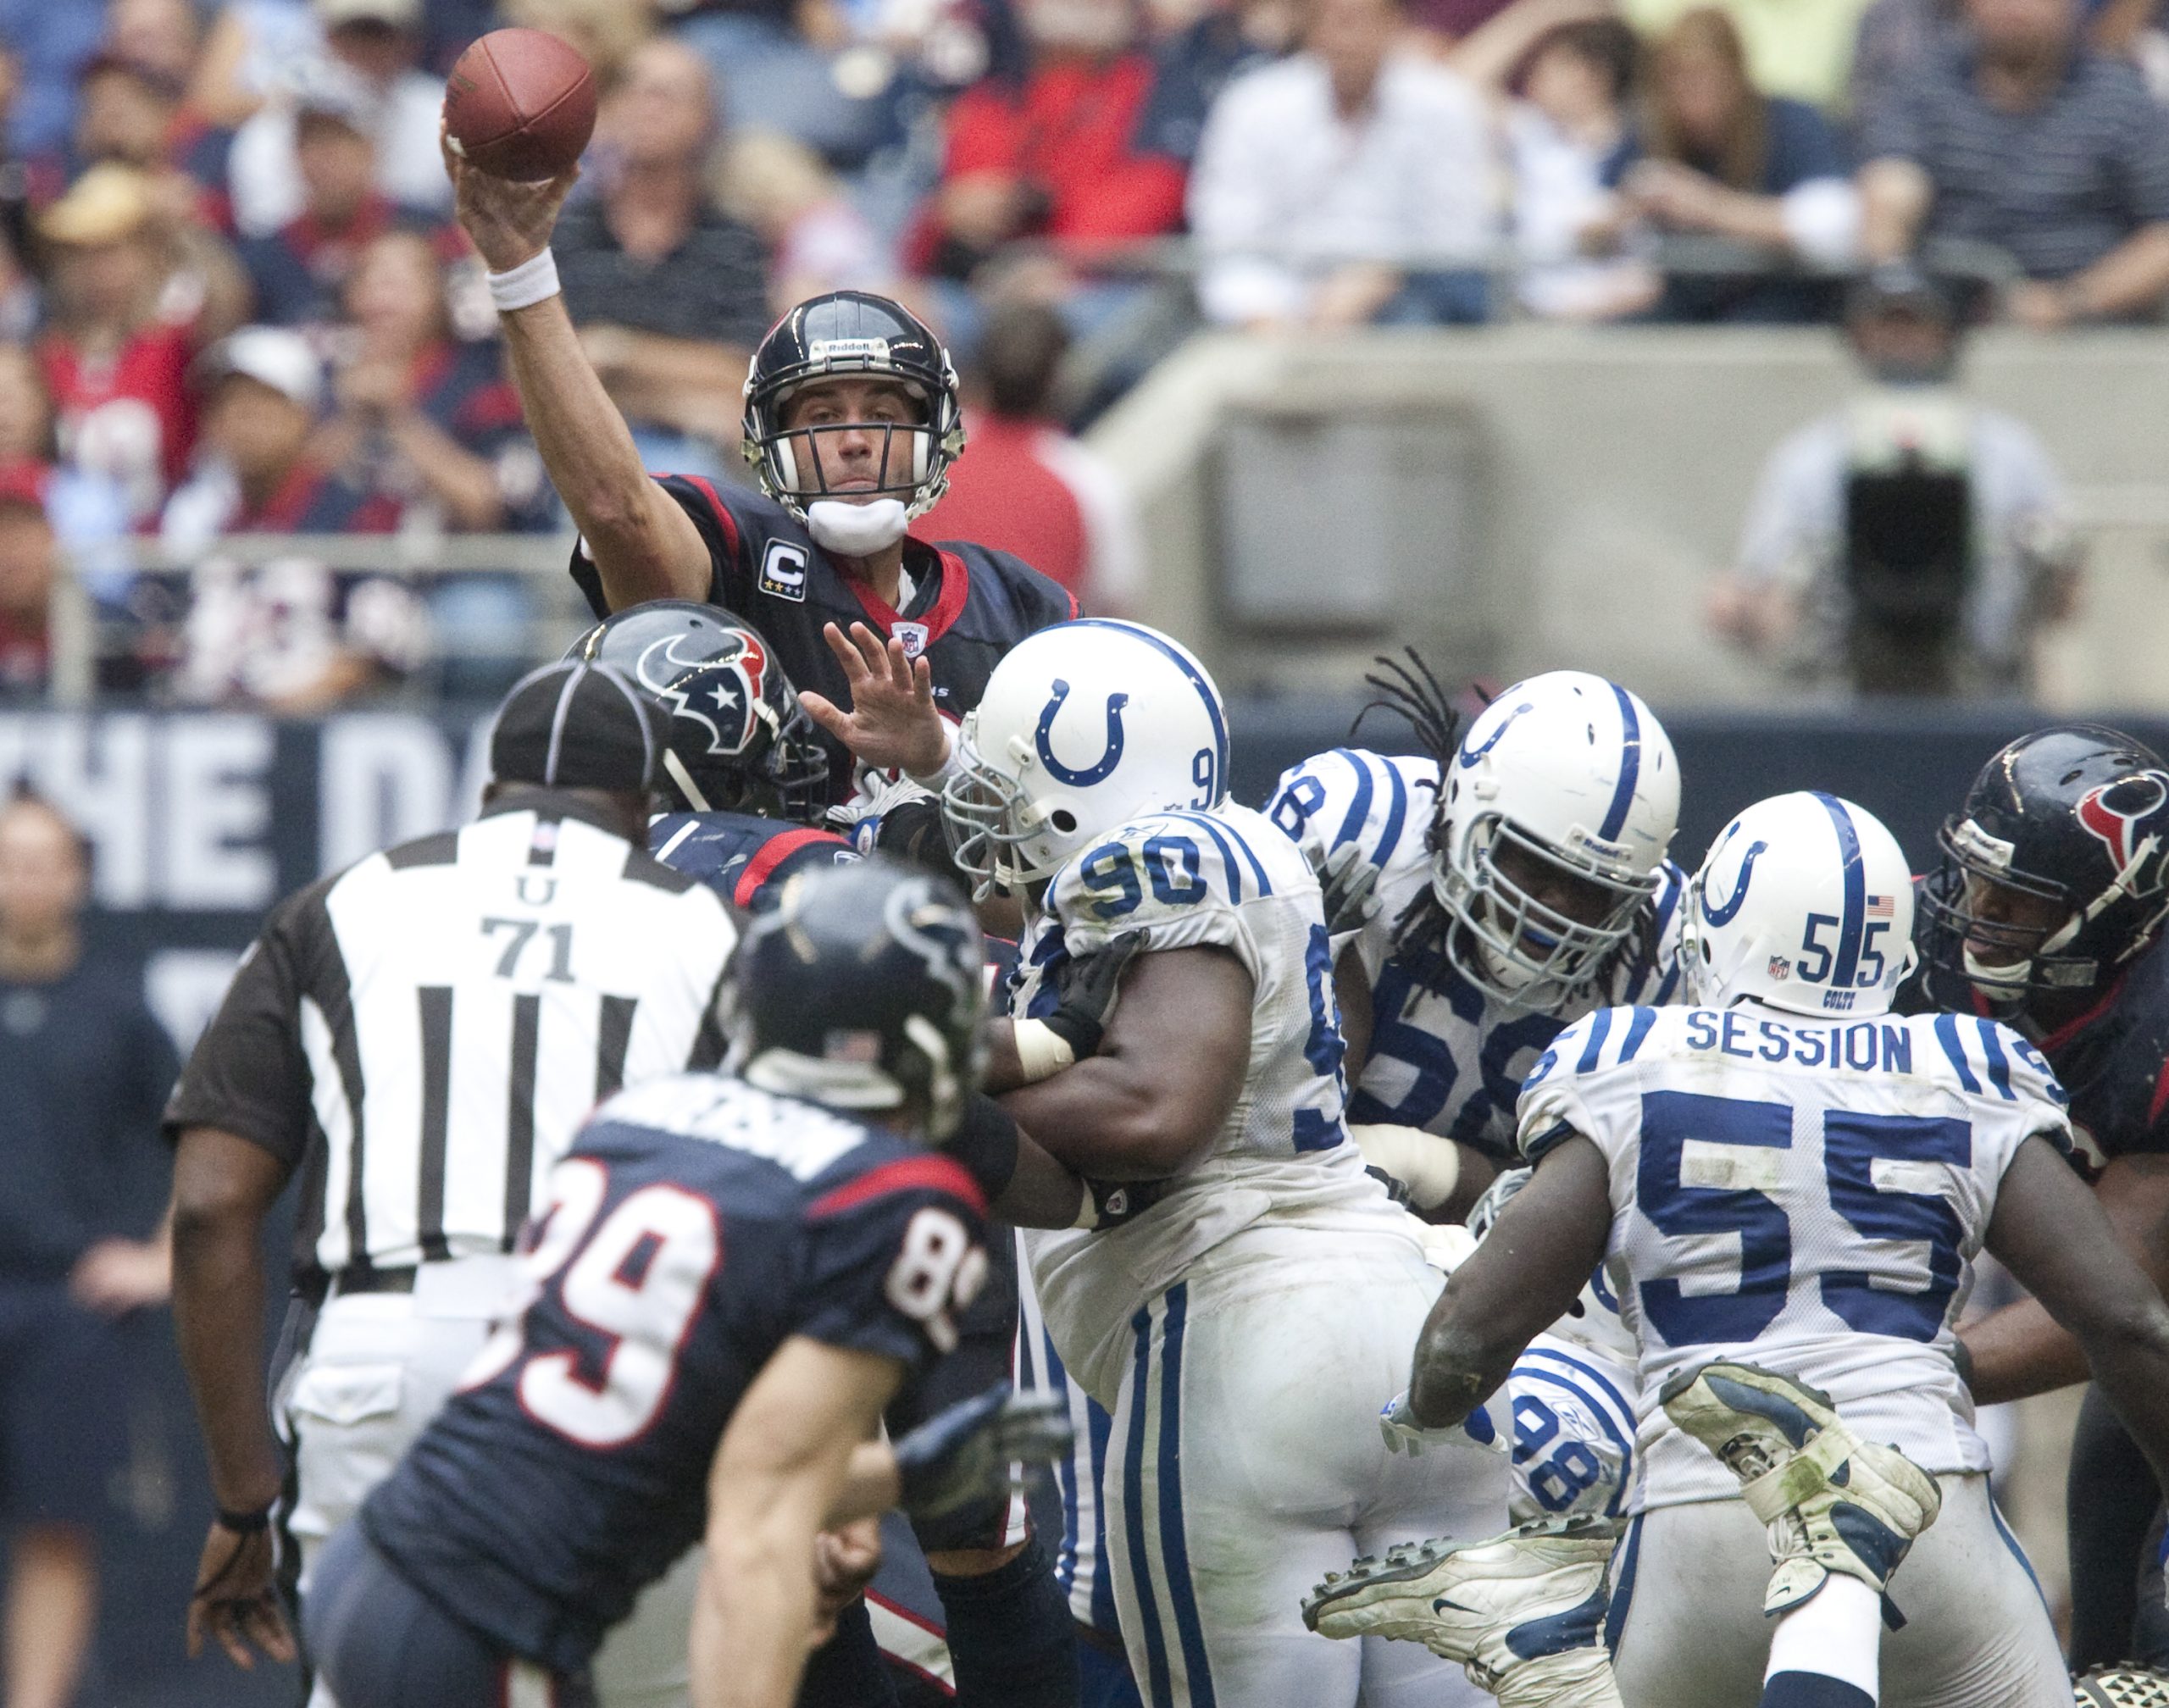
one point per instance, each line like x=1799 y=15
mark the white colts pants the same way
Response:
x=378 y=1366
x=1245 y=1463
x=1692 y=1634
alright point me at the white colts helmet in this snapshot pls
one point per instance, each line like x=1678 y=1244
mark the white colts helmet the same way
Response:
x=1575 y=773
x=1084 y=727
x=1806 y=903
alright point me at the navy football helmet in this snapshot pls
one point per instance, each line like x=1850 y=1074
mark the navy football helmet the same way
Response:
x=853 y=333
x=864 y=988
x=739 y=741
x=2055 y=873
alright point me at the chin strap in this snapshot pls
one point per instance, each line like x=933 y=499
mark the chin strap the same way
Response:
x=855 y=530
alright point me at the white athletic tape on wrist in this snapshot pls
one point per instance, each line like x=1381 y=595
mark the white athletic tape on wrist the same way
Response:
x=939 y=777
x=1040 y=1050
x=1429 y=1166
x=534 y=280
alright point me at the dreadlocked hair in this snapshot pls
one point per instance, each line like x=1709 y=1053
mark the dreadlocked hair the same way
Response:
x=1412 y=690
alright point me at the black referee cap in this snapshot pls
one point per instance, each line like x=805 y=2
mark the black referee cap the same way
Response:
x=577 y=725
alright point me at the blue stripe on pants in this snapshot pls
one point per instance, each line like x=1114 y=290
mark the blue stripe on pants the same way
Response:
x=2018 y=1553
x=1622 y=1585
x=1174 y=1546
x=1133 y=1493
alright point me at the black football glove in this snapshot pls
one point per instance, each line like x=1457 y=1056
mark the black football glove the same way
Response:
x=1117 y=1201
x=963 y=1453
x=1087 y=985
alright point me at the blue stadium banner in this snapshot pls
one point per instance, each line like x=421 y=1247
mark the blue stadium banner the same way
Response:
x=199 y=821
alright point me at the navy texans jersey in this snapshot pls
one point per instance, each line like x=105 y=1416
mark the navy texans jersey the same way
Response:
x=968 y=605
x=1444 y=1056
x=696 y=1225
x=2113 y=1059
x=743 y=858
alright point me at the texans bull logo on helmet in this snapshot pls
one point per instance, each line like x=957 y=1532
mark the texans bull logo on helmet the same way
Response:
x=2126 y=814
x=721 y=694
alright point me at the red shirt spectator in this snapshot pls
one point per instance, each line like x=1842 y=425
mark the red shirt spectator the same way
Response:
x=1029 y=487
x=1055 y=156
x=128 y=323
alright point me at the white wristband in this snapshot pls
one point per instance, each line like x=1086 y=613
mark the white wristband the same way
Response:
x=534 y=280
x=1040 y=1050
x=935 y=780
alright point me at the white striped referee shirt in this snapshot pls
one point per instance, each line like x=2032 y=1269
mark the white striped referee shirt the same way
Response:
x=424 y=1032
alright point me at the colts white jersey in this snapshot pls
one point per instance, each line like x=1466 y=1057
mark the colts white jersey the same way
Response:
x=1444 y=1057
x=1805 y=1194
x=1225 y=879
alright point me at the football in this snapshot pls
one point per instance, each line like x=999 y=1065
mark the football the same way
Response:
x=520 y=104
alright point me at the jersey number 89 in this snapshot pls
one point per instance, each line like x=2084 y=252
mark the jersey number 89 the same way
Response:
x=937 y=1266
x=642 y=1323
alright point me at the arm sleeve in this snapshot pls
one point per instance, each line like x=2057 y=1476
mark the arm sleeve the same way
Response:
x=1231 y=209
x=2040 y=1094
x=1892 y=128
x=2144 y=134
x=729 y=580
x=1453 y=207
x=1553 y=1105
x=981 y=137
x=1793 y=518
x=892 y=1254
x=248 y=1074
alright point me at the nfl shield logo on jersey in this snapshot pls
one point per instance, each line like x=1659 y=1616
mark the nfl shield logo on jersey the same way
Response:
x=912 y=635
x=1780 y=967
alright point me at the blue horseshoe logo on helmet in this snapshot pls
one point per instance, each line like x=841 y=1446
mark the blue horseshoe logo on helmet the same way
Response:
x=1723 y=915
x=1101 y=768
x=1469 y=754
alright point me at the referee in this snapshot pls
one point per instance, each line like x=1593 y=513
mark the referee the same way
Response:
x=419 y=1036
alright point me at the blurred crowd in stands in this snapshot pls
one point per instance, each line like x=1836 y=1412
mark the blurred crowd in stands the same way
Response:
x=232 y=300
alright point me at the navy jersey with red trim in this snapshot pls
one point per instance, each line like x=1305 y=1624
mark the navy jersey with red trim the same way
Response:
x=969 y=605
x=2114 y=1060
x=743 y=858
x=696 y=1225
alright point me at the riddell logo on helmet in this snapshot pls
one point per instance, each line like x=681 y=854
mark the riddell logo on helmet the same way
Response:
x=2118 y=814
x=848 y=350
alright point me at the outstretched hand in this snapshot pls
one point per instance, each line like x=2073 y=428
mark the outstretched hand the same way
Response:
x=892 y=725
x=510 y=224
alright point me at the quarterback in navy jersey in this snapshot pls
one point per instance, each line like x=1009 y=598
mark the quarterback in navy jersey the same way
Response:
x=732 y=1276
x=2046 y=912
x=852 y=418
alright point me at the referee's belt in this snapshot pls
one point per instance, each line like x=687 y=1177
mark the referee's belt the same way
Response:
x=476 y=1287
x=349 y=1282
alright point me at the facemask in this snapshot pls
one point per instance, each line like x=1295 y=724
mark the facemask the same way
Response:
x=855 y=530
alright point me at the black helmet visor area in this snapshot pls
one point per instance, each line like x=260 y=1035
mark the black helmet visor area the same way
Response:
x=849 y=460
x=1951 y=916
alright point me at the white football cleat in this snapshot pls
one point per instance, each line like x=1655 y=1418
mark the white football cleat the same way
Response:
x=1831 y=1501
x=1523 y=1613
